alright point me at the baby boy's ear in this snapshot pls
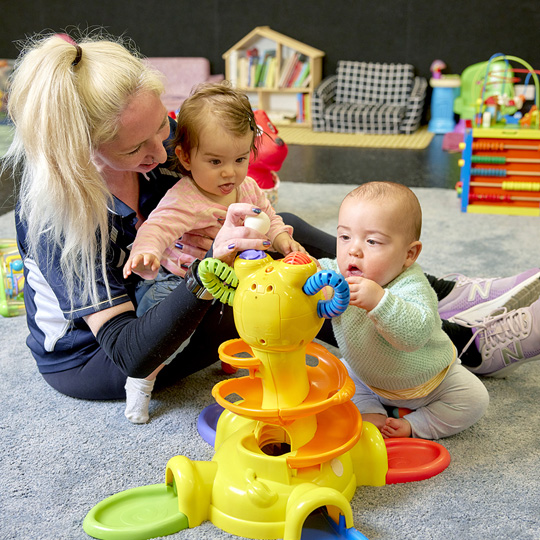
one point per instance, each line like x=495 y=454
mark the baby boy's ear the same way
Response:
x=413 y=252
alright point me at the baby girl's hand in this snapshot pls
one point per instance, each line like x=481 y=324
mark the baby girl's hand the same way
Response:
x=145 y=265
x=285 y=244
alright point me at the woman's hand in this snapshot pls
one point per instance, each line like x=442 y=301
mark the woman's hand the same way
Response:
x=234 y=237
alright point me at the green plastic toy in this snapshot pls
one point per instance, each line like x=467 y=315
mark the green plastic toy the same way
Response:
x=11 y=279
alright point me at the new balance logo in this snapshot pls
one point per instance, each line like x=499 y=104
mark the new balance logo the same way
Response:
x=513 y=356
x=479 y=290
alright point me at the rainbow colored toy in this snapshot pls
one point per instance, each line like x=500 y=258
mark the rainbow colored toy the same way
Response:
x=11 y=279
x=500 y=160
x=290 y=445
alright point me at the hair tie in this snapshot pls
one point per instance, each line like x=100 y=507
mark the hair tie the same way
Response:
x=78 y=56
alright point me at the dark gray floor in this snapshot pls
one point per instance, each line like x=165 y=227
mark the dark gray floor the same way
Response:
x=431 y=167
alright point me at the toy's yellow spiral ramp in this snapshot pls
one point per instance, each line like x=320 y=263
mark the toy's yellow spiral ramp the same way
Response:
x=339 y=424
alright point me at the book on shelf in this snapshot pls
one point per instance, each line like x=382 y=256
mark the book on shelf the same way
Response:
x=252 y=70
x=304 y=72
x=271 y=75
x=303 y=108
x=253 y=61
x=287 y=68
x=307 y=108
x=258 y=73
x=264 y=68
x=298 y=66
x=243 y=70
x=306 y=82
x=299 y=108
x=233 y=68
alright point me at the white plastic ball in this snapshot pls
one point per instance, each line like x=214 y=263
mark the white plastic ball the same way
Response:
x=260 y=223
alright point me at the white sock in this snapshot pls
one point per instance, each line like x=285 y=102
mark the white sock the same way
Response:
x=138 y=394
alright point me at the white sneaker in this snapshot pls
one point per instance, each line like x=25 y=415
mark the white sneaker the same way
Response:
x=506 y=340
x=473 y=299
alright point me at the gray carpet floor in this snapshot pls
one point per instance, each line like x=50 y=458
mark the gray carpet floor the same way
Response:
x=60 y=456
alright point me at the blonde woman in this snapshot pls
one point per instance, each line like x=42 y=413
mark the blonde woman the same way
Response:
x=89 y=143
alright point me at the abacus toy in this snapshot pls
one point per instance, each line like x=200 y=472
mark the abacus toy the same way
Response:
x=500 y=162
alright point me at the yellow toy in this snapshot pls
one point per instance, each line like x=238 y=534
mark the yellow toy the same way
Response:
x=290 y=442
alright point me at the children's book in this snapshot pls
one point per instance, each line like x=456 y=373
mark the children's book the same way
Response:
x=296 y=70
x=304 y=72
x=287 y=70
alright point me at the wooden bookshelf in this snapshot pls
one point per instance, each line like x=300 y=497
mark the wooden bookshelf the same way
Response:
x=278 y=73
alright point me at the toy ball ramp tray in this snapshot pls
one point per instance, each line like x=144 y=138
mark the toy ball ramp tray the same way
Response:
x=411 y=460
x=136 y=514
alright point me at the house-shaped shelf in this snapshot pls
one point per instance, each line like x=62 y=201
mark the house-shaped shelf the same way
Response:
x=277 y=72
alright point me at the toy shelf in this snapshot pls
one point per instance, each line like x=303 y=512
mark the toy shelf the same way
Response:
x=500 y=163
x=278 y=73
x=500 y=171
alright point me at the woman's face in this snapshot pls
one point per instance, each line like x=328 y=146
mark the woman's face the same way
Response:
x=138 y=146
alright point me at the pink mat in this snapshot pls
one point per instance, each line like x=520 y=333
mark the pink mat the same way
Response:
x=451 y=141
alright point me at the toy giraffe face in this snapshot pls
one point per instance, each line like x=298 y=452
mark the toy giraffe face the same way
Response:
x=271 y=311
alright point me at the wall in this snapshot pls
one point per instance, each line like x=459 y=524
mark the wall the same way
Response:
x=460 y=32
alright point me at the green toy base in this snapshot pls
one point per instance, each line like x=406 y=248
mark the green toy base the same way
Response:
x=136 y=514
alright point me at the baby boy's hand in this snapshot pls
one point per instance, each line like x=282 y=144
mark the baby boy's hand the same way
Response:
x=365 y=293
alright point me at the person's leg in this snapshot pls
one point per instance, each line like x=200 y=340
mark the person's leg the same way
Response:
x=101 y=379
x=456 y=404
x=216 y=327
x=326 y=333
x=367 y=402
x=150 y=292
x=98 y=379
x=461 y=338
x=139 y=391
x=442 y=287
x=316 y=242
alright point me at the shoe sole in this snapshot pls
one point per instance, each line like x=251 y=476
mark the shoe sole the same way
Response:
x=504 y=372
x=525 y=297
x=521 y=295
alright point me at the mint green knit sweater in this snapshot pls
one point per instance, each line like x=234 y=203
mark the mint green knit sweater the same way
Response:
x=399 y=344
